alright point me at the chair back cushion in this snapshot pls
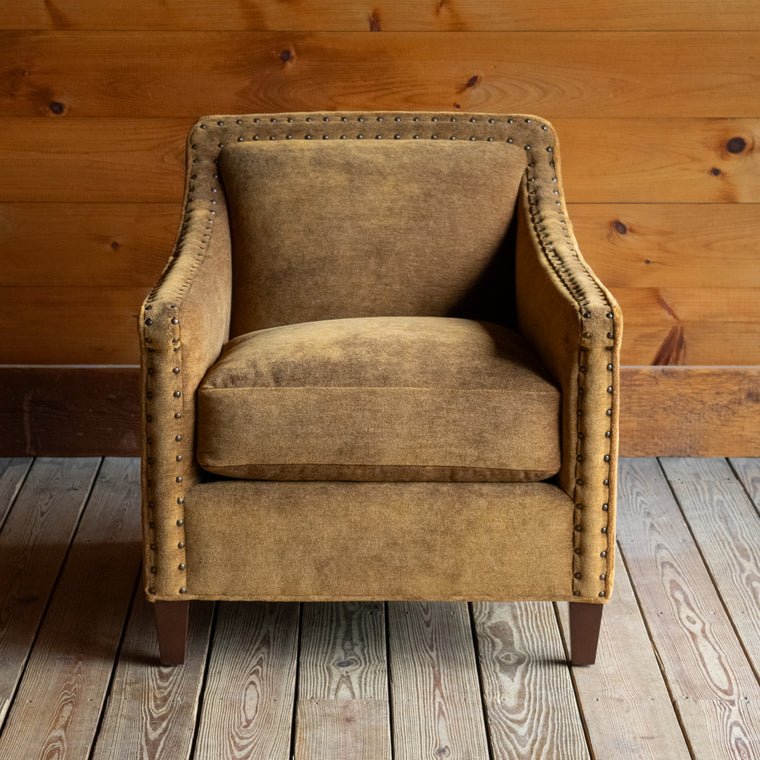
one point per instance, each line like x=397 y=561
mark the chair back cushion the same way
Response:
x=361 y=228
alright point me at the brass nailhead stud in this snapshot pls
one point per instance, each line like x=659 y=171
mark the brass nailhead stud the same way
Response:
x=606 y=482
x=180 y=523
x=183 y=590
x=605 y=507
x=181 y=545
x=154 y=570
x=181 y=566
x=180 y=500
x=177 y=394
x=604 y=530
x=606 y=457
x=603 y=554
x=602 y=593
x=577 y=575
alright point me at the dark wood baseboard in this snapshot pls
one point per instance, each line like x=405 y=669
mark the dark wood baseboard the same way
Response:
x=94 y=411
x=69 y=411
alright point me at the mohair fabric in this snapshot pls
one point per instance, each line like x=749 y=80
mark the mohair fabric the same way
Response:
x=218 y=538
x=425 y=541
x=379 y=398
x=356 y=228
x=575 y=327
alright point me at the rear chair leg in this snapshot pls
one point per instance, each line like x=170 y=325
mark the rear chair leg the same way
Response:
x=585 y=621
x=171 y=624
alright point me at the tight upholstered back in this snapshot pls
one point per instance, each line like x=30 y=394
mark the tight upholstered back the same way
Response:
x=325 y=229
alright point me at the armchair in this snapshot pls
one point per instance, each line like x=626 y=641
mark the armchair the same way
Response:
x=377 y=367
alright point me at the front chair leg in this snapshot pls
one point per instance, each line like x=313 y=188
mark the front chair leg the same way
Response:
x=585 y=621
x=171 y=624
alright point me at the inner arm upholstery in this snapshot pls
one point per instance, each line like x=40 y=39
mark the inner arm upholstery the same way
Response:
x=183 y=324
x=575 y=325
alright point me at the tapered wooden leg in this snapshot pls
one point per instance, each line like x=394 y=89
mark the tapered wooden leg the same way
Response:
x=171 y=624
x=585 y=621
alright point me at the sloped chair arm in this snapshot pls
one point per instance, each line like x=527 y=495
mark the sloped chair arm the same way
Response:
x=575 y=325
x=183 y=324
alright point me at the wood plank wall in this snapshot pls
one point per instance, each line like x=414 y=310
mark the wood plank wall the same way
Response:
x=657 y=104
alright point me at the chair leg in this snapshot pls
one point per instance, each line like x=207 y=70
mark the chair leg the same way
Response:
x=585 y=621
x=171 y=625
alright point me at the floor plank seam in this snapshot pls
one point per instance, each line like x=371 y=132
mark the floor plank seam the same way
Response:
x=709 y=571
x=204 y=679
x=660 y=665
x=11 y=502
x=296 y=688
x=388 y=679
x=736 y=474
x=479 y=670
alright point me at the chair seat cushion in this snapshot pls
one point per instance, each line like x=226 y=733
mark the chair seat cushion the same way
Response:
x=381 y=399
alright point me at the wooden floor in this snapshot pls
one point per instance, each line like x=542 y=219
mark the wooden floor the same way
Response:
x=676 y=677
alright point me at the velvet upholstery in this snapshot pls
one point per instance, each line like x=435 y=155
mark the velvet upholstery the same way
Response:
x=379 y=398
x=478 y=255
x=423 y=541
x=372 y=216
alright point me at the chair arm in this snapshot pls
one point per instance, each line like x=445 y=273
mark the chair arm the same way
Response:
x=183 y=324
x=576 y=327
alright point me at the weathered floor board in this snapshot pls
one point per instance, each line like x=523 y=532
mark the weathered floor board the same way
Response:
x=676 y=674
x=69 y=670
x=342 y=706
x=726 y=527
x=33 y=544
x=248 y=705
x=435 y=694
x=623 y=697
x=712 y=684
x=526 y=683
x=152 y=711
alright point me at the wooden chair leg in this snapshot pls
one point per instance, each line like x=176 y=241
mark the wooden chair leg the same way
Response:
x=171 y=625
x=585 y=621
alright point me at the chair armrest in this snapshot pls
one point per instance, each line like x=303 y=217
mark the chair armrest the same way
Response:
x=575 y=326
x=183 y=324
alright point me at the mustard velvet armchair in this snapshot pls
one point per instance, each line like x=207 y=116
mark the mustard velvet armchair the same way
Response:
x=376 y=367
